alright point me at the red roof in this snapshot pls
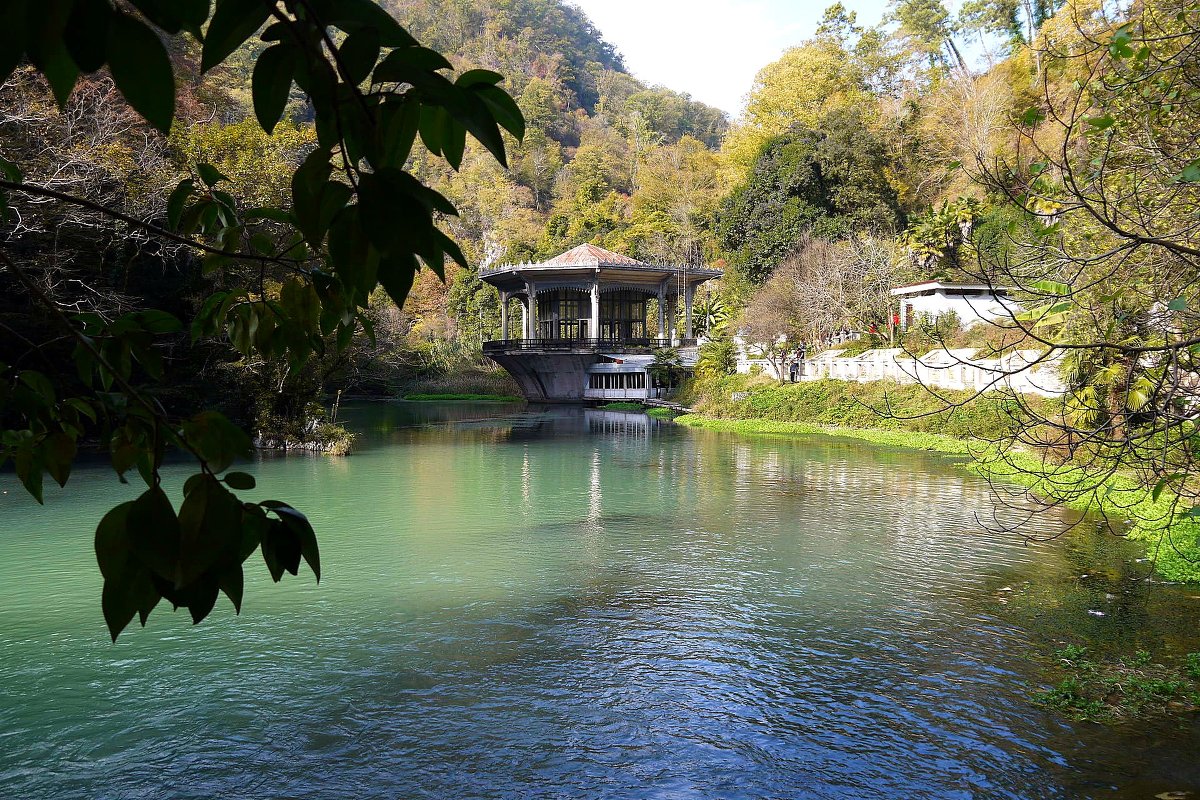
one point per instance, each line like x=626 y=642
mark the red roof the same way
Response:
x=589 y=255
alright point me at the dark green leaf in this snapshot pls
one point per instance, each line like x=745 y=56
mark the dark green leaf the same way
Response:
x=176 y=202
x=40 y=384
x=504 y=109
x=1191 y=173
x=210 y=529
x=158 y=322
x=273 y=532
x=28 y=463
x=1032 y=116
x=351 y=15
x=396 y=273
x=272 y=84
x=241 y=481
x=232 y=582
x=232 y=23
x=174 y=15
x=359 y=53
x=142 y=70
x=302 y=529
x=217 y=440
x=86 y=35
x=210 y=174
x=58 y=453
x=114 y=547
x=201 y=598
x=47 y=21
x=12 y=39
x=403 y=65
x=154 y=533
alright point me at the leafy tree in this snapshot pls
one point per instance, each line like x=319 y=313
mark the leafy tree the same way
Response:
x=718 y=358
x=666 y=369
x=797 y=90
x=1105 y=250
x=928 y=29
x=294 y=280
x=709 y=315
x=824 y=182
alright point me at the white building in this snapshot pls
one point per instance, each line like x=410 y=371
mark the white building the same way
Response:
x=972 y=302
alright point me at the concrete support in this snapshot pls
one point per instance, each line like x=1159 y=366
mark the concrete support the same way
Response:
x=689 y=292
x=594 y=324
x=531 y=316
x=525 y=318
x=662 y=313
x=672 y=303
x=504 y=315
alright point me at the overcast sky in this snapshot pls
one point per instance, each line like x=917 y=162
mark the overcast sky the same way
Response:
x=710 y=49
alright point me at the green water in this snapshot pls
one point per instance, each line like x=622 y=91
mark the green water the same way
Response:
x=560 y=603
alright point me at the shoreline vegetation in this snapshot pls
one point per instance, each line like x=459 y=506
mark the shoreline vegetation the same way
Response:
x=760 y=406
x=462 y=397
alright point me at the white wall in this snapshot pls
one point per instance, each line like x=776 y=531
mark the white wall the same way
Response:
x=1022 y=371
x=970 y=309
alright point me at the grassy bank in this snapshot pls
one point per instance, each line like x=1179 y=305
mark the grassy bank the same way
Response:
x=912 y=439
x=463 y=397
x=463 y=380
x=743 y=404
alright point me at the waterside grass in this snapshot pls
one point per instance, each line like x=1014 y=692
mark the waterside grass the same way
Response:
x=456 y=397
x=1111 y=690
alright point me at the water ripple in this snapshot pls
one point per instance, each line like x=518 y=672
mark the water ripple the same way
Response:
x=555 y=605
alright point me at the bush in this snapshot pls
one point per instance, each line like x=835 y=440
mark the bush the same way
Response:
x=847 y=404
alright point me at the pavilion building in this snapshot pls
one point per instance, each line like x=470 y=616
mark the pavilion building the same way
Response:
x=584 y=331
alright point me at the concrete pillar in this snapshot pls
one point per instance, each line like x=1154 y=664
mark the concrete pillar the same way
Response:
x=504 y=315
x=689 y=291
x=525 y=319
x=672 y=302
x=662 y=313
x=594 y=324
x=531 y=322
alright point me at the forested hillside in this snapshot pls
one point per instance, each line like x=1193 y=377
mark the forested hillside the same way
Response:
x=605 y=158
x=1062 y=162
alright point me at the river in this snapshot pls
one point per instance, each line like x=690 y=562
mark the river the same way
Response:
x=559 y=603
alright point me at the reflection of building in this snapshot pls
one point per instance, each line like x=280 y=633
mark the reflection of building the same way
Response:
x=585 y=330
x=972 y=303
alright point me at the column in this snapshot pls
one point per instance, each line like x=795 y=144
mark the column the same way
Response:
x=662 y=313
x=525 y=319
x=672 y=302
x=594 y=325
x=531 y=319
x=503 y=315
x=688 y=292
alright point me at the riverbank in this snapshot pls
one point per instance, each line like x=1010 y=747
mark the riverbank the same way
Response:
x=463 y=397
x=757 y=406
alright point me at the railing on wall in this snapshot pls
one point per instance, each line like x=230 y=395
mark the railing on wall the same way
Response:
x=566 y=345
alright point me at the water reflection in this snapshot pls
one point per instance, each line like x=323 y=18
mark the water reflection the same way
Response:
x=560 y=602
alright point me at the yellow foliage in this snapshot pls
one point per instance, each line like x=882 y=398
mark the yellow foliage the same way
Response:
x=258 y=166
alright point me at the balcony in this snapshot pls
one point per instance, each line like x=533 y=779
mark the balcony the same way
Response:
x=580 y=345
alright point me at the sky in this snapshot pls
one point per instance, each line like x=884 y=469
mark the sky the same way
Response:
x=711 y=49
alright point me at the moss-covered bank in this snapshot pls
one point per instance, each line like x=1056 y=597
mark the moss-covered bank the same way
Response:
x=744 y=404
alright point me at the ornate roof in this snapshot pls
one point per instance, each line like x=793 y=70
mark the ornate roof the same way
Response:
x=589 y=255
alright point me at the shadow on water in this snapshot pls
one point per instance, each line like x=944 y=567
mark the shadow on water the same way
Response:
x=567 y=602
